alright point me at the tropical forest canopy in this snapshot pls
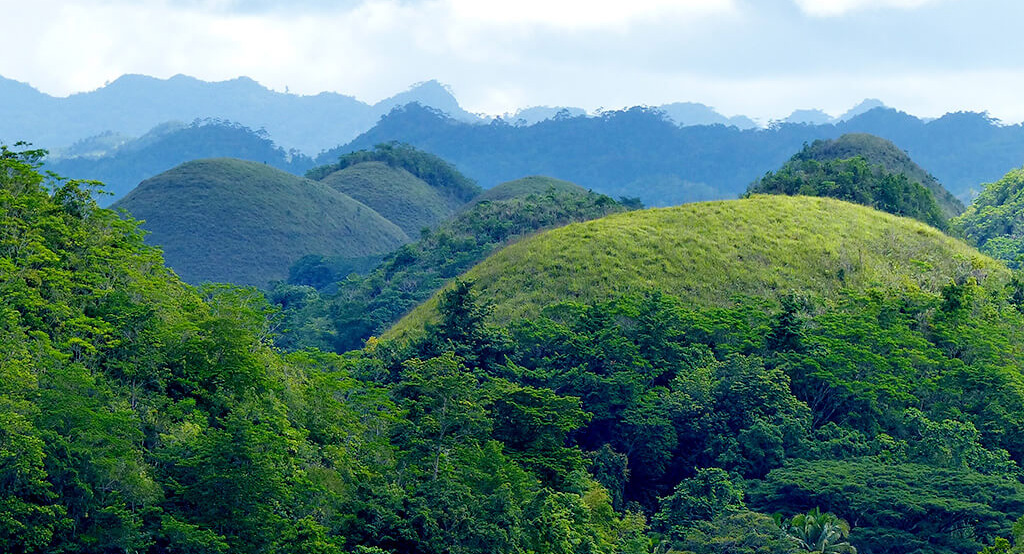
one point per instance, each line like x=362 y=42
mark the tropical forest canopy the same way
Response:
x=543 y=370
x=995 y=221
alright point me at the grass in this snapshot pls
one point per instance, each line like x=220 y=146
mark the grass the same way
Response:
x=396 y=194
x=708 y=252
x=228 y=220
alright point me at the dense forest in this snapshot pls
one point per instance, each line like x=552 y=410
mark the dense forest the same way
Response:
x=641 y=152
x=875 y=405
x=854 y=180
x=995 y=221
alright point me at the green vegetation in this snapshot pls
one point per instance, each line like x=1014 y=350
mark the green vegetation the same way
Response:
x=342 y=315
x=431 y=169
x=898 y=411
x=994 y=221
x=878 y=151
x=640 y=152
x=138 y=414
x=762 y=246
x=535 y=184
x=243 y=222
x=394 y=193
x=841 y=381
x=170 y=144
x=864 y=170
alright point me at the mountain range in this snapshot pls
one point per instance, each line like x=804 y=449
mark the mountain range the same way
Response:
x=132 y=105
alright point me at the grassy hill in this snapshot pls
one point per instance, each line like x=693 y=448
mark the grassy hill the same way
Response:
x=246 y=223
x=534 y=184
x=164 y=147
x=995 y=221
x=360 y=306
x=396 y=194
x=434 y=171
x=707 y=252
x=879 y=151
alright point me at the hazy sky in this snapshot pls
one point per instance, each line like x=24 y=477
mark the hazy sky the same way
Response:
x=762 y=58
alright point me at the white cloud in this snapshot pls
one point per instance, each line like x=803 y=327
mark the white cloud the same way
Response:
x=577 y=14
x=831 y=8
x=742 y=56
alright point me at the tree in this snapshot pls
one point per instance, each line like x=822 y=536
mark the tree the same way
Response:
x=818 y=532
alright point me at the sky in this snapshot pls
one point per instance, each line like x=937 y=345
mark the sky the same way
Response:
x=761 y=58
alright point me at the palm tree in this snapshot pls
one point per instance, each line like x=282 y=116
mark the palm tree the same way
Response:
x=818 y=532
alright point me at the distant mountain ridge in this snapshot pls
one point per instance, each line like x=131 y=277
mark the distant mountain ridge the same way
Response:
x=639 y=152
x=134 y=104
x=129 y=162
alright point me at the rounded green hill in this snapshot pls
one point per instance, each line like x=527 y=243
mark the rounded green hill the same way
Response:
x=764 y=246
x=534 y=184
x=396 y=194
x=878 y=151
x=227 y=220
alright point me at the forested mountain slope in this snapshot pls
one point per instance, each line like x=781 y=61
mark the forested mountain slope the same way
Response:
x=131 y=105
x=866 y=386
x=637 y=152
x=864 y=170
x=773 y=354
x=995 y=221
x=879 y=151
x=138 y=414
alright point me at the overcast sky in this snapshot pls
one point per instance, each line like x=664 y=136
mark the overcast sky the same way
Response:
x=762 y=58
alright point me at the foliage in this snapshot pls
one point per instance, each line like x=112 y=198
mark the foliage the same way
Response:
x=639 y=152
x=881 y=153
x=993 y=221
x=833 y=419
x=138 y=414
x=899 y=507
x=342 y=316
x=818 y=532
x=853 y=180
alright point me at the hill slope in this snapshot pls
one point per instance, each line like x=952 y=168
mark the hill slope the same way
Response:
x=168 y=145
x=360 y=306
x=995 y=221
x=246 y=223
x=396 y=194
x=707 y=252
x=845 y=174
x=879 y=151
x=534 y=184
